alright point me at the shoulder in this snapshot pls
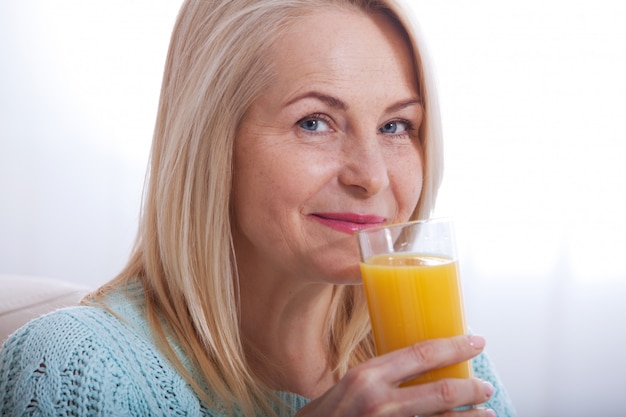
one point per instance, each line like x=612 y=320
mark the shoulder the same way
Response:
x=58 y=335
x=87 y=331
x=85 y=358
x=76 y=320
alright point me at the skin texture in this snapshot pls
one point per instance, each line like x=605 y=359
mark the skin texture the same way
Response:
x=330 y=147
x=344 y=88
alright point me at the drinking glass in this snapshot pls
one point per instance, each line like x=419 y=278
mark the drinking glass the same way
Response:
x=411 y=277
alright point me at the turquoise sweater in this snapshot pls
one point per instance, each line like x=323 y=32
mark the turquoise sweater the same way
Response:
x=85 y=361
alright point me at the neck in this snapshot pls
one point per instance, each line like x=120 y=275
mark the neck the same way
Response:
x=284 y=328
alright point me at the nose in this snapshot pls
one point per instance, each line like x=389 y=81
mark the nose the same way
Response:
x=365 y=168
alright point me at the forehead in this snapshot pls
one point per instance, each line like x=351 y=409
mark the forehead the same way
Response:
x=341 y=45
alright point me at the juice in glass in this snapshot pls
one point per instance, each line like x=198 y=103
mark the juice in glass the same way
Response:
x=412 y=298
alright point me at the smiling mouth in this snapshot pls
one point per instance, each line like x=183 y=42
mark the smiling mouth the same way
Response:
x=348 y=222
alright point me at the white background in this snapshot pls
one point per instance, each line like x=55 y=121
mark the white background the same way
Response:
x=533 y=98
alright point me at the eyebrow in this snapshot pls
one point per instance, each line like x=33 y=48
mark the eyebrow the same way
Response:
x=339 y=104
x=325 y=98
x=404 y=104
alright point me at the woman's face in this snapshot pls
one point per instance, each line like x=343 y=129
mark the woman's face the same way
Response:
x=331 y=147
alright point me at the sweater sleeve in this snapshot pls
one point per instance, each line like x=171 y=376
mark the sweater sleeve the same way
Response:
x=84 y=362
x=499 y=401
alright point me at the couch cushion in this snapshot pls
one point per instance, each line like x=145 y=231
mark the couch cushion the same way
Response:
x=23 y=298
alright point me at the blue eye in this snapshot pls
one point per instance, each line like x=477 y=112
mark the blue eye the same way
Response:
x=395 y=127
x=312 y=124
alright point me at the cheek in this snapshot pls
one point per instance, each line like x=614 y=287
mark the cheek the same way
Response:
x=247 y=185
x=254 y=191
x=268 y=186
x=254 y=212
x=408 y=178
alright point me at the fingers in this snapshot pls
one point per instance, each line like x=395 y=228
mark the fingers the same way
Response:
x=372 y=388
x=447 y=394
x=410 y=362
x=445 y=398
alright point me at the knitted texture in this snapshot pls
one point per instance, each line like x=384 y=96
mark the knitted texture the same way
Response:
x=85 y=361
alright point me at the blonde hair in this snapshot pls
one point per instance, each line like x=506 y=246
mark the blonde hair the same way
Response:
x=215 y=68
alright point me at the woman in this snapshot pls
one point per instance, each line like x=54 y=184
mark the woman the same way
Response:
x=283 y=127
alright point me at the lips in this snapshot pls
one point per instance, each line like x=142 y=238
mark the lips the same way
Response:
x=348 y=222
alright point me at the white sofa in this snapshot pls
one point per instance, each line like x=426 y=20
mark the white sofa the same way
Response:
x=23 y=298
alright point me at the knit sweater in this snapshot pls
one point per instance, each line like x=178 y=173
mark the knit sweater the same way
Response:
x=85 y=361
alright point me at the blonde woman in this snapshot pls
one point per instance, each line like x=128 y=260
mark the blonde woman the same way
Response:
x=283 y=127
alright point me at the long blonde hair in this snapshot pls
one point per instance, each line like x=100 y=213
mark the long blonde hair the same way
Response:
x=216 y=67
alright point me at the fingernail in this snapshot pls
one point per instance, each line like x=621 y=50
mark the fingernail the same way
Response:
x=490 y=413
x=476 y=342
x=489 y=389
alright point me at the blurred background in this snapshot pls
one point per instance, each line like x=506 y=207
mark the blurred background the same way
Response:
x=533 y=98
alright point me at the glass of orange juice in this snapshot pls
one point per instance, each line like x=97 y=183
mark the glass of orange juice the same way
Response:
x=411 y=278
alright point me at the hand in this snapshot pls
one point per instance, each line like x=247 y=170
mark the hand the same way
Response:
x=372 y=388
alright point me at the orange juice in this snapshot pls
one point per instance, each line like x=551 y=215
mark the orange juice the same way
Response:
x=412 y=298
